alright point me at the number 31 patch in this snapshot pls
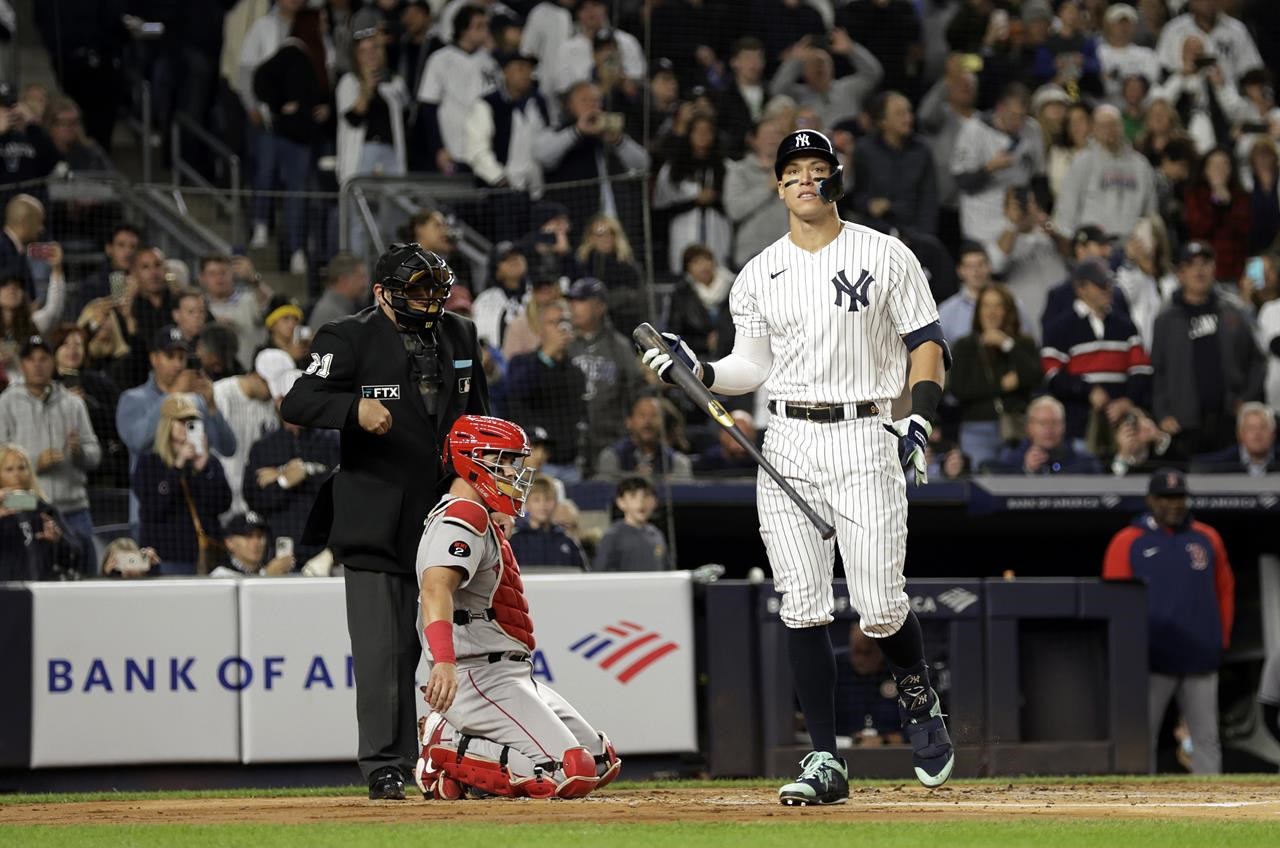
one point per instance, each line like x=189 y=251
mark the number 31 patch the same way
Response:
x=460 y=549
x=320 y=365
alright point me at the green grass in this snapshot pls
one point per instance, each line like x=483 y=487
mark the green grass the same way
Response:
x=1051 y=833
x=621 y=786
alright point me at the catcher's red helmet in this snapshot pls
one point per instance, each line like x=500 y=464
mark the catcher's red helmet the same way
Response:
x=489 y=453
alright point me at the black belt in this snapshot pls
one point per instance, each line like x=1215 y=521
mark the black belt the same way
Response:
x=512 y=656
x=825 y=412
x=464 y=617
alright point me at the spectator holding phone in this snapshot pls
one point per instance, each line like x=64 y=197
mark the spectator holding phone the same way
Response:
x=286 y=466
x=181 y=489
x=32 y=537
x=100 y=395
x=1218 y=213
x=23 y=224
x=117 y=260
x=123 y=558
x=28 y=152
x=52 y=424
x=245 y=536
x=173 y=370
x=285 y=329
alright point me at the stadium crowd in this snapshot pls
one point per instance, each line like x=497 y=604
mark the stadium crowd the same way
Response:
x=1091 y=187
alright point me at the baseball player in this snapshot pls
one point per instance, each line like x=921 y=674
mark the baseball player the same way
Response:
x=828 y=319
x=492 y=729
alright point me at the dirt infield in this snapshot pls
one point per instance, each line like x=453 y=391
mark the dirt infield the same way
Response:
x=1220 y=801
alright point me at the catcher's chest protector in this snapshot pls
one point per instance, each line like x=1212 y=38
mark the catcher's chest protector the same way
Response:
x=511 y=609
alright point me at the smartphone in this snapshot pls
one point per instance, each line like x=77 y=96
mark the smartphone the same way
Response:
x=193 y=362
x=195 y=435
x=612 y=122
x=20 y=501
x=132 y=562
x=546 y=238
x=119 y=281
x=301 y=333
x=1202 y=62
x=1256 y=271
x=70 y=379
x=284 y=546
x=40 y=250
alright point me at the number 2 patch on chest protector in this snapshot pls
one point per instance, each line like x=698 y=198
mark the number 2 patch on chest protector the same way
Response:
x=460 y=549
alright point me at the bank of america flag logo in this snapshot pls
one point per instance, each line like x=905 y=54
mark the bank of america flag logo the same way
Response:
x=958 y=599
x=624 y=649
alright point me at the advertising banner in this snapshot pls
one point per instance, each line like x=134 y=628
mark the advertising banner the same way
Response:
x=135 y=672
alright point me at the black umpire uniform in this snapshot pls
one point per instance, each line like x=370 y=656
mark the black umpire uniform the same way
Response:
x=371 y=511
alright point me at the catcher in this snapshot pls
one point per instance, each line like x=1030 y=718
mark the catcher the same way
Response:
x=492 y=728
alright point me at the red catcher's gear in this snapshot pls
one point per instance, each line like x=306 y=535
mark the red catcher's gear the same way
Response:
x=470 y=450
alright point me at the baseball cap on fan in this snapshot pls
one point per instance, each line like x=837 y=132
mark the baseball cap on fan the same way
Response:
x=1167 y=482
x=271 y=365
x=805 y=143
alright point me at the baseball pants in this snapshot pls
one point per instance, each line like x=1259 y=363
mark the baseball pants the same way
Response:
x=1197 y=696
x=502 y=706
x=382 y=616
x=849 y=471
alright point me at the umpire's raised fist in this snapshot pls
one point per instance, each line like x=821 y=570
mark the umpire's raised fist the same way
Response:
x=660 y=362
x=374 y=417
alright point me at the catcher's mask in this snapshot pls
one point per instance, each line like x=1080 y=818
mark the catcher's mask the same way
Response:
x=815 y=144
x=415 y=284
x=489 y=453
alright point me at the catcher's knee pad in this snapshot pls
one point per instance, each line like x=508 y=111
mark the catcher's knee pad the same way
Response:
x=607 y=762
x=580 y=778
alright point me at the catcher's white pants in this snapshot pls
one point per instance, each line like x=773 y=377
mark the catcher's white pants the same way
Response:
x=500 y=705
x=849 y=473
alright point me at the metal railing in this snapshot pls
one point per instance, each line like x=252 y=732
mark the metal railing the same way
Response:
x=229 y=199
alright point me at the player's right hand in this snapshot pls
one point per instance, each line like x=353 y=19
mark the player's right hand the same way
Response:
x=660 y=363
x=442 y=686
x=374 y=417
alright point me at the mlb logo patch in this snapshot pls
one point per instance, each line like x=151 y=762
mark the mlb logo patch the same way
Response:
x=380 y=392
x=464 y=385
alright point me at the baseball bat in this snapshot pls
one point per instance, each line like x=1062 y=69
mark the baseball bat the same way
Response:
x=647 y=337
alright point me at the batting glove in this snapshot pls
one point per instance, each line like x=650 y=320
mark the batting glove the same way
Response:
x=913 y=437
x=660 y=363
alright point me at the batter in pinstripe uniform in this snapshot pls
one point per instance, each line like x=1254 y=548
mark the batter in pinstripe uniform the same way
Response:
x=828 y=319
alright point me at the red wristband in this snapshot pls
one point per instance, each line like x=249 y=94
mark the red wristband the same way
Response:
x=440 y=640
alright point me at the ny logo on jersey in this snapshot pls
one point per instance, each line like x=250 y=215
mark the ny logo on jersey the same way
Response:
x=857 y=291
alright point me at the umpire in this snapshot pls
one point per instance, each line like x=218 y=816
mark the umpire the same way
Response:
x=393 y=378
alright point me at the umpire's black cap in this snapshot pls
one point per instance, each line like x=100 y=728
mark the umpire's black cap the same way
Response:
x=805 y=143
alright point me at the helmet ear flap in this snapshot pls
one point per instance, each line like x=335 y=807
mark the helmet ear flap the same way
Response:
x=832 y=188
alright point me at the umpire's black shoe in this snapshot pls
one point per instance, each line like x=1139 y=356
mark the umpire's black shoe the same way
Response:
x=386 y=784
x=823 y=779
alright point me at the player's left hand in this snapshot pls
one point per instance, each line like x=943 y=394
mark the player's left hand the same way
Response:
x=913 y=437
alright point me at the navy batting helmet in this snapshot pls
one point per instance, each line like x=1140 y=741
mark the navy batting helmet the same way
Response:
x=813 y=143
x=416 y=283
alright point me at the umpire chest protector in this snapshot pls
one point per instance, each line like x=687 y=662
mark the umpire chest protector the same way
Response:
x=372 y=509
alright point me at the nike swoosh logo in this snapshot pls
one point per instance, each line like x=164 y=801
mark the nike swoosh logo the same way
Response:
x=776 y=273
x=1150 y=552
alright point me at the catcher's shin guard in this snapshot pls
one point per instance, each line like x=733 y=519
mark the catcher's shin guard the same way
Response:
x=432 y=731
x=607 y=762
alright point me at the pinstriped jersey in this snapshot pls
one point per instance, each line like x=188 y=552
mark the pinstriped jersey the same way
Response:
x=835 y=318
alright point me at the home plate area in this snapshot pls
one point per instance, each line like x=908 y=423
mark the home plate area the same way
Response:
x=980 y=801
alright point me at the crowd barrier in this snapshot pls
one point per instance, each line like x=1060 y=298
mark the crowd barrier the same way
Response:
x=259 y=671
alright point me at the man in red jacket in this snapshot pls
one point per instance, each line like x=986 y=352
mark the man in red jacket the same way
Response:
x=1191 y=605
